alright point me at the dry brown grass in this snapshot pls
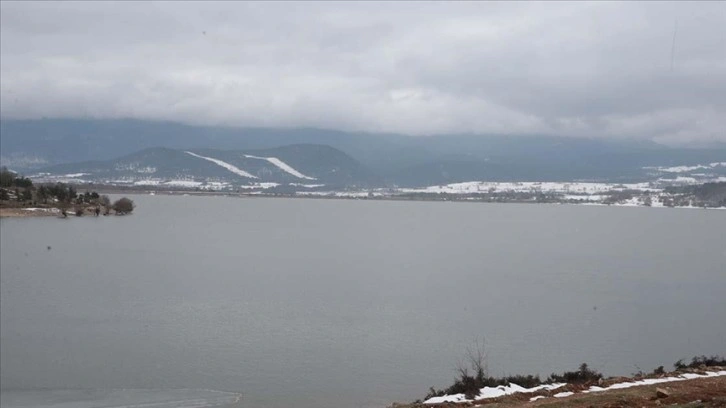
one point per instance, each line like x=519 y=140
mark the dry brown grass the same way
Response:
x=702 y=392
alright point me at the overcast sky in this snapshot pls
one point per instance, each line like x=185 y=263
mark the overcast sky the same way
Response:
x=601 y=69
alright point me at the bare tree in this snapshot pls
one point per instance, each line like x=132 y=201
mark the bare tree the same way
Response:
x=477 y=356
x=476 y=360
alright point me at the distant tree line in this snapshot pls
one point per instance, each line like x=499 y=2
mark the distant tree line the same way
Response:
x=10 y=179
x=619 y=196
x=60 y=192
x=16 y=190
x=487 y=197
x=701 y=195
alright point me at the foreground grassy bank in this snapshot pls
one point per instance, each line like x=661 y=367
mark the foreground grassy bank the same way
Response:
x=696 y=393
x=703 y=379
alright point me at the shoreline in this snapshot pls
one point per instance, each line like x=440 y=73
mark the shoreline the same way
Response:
x=34 y=212
x=29 y=212
x=380 y=195
x=343 y=195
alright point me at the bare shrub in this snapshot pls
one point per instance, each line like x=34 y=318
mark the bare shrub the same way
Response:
x=123 y=206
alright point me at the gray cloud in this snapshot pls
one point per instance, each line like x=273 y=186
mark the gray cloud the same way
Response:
x=583 y=69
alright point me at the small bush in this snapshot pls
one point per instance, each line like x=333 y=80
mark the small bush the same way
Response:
x=582 y=376
x=526 y=381
x=26 y=195
x=433 y=392
x=11 y=179
x=698 y=361
x=123 y=206
x=104 y=201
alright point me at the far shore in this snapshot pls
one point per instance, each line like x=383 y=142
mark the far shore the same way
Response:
x=18 y=212
x=343 y=195
x=46 y=211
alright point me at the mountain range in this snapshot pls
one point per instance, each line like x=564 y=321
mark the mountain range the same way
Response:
x=303 y=165
x=123 y=148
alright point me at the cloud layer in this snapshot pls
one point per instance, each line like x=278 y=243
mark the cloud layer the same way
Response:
x=601 y=69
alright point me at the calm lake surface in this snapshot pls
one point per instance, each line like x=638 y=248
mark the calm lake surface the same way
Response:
x=344 y=303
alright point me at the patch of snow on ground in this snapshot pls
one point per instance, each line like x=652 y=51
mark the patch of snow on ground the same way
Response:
x=652 y=381
x=585 y=197
x=472 y=187
x=205 y=185
x=306 y=185
x=342 y=194
x=234 y=169
x=493 y=392
x=681 y=180
x=147 y=182
x=632 y=202
x=53 y=210
x=146 y=170
x=183 y=183
x=686 y=169
x=282 y=166
x=65 y=178
x=260 y=185
x=656 y=202
x=216 y=185
x=678 y=169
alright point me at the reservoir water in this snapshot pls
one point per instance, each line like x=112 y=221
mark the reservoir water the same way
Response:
x=266 y=302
